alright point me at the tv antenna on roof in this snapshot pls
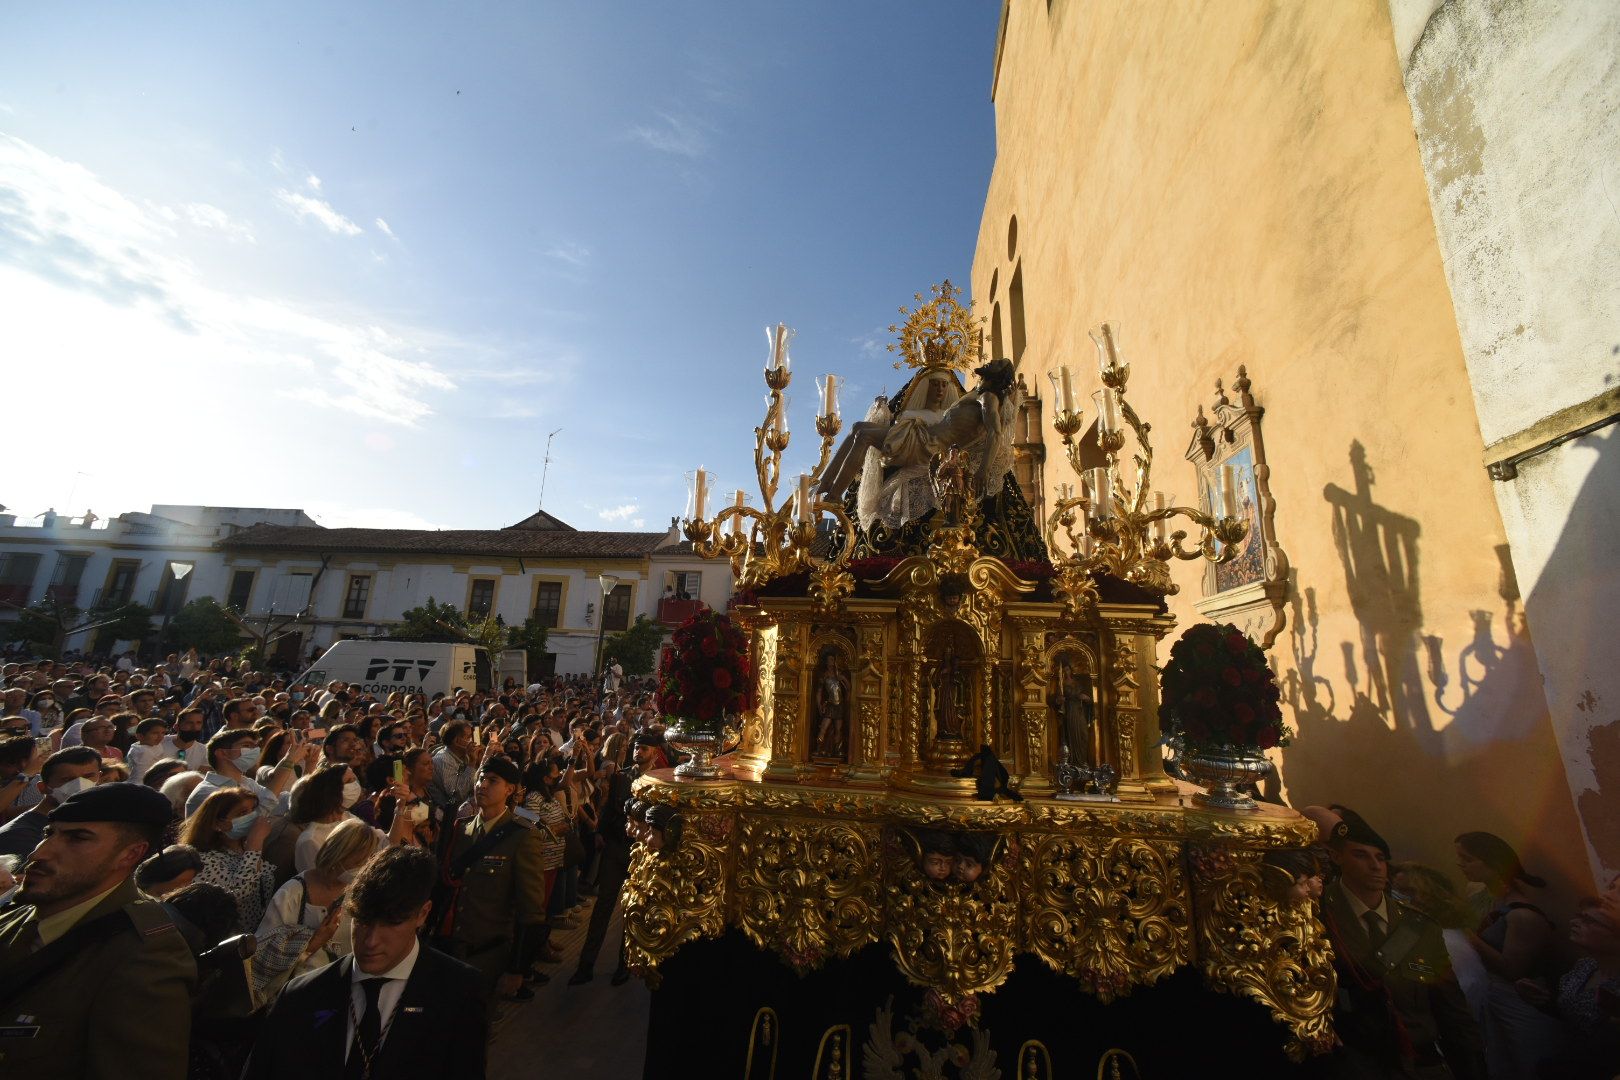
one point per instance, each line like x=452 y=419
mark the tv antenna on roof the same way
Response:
x=546 y=468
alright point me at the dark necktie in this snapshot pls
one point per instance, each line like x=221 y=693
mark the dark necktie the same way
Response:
x=368 y=1033
x=1375 y=930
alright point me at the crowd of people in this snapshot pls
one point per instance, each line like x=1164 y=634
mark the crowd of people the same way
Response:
x=252 y=858
x=255 y=860
x=1443 y=983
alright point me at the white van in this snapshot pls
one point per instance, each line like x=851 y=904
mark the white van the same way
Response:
x=380 y=667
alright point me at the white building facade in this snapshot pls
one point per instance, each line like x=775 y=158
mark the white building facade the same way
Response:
x=305 y=586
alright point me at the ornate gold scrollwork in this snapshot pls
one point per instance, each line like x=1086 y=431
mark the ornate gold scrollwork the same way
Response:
x=673 y=899
x=957 y=940
x=808 y=890
x=1112 y=913
x=1252 y=945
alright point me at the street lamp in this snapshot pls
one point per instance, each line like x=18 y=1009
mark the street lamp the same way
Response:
x=608 y=582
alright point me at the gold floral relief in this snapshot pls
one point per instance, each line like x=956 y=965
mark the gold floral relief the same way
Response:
x=1276 y=953
x=1113 y=913
x=674 y=898
x=950 y=937
x=808 y=890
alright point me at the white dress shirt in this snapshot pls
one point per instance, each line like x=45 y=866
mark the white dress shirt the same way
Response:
x=195 y=756
x=387 y=998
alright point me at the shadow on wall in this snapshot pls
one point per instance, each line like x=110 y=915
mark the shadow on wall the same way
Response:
x=1367 y=727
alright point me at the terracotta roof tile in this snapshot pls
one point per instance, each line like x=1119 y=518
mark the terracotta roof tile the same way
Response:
x=509 y=543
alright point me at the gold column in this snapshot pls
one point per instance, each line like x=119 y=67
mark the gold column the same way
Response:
x=866 y=692
x=789 y=746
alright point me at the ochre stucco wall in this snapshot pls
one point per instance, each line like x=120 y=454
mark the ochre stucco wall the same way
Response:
x=1239 y=183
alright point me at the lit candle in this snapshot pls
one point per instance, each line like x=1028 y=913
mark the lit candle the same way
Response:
x=737 y=522
x=1161 y=527
x=1105 y=342
x=829 y=396
x=1063 y=384
x=700 y=493
x=1102 y=492
x=1107 y=411
x=778 y=337
x=1228 y=491
x=805 y=512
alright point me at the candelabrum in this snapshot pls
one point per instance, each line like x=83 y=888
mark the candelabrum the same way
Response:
x=767 y=541
x=1115 y=526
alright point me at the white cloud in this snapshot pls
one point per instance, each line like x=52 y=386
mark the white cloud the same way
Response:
x=619 y=513
x=571 y=253
x=313 y=181
x=638 y=523
x=205 y=216
x=277 y=162
x=306 y=206
x=680 y=134
x=382 y=227
x=91 y=285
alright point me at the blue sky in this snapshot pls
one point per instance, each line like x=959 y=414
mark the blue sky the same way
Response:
x=363 y=258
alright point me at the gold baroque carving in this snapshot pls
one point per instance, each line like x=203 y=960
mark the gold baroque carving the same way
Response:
x=1251 y=945
x=1111 y=912
x=673 y=899
x=808 y=889
x=953 y=939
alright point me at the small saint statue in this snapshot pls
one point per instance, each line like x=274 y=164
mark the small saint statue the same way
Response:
x=832 y=709
x=1076 y=713
x=949 y=686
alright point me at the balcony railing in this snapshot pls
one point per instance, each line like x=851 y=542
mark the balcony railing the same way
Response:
x=14 y=596
x=66 y=595
x=675 y=612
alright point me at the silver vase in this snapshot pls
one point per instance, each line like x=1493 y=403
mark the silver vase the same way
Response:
x=1221 y=771
x=700 y=741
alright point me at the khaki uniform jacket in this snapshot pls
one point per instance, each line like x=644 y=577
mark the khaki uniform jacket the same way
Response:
x=1420 y=988
x=118 y=1007
x=503 y=890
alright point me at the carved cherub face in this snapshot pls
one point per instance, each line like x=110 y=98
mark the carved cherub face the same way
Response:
x=937 y=865
x=968 y=869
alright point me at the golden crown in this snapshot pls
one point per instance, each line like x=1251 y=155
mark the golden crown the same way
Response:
x=938 y=333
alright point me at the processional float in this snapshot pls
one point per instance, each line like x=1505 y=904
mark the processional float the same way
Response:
x=919 y=642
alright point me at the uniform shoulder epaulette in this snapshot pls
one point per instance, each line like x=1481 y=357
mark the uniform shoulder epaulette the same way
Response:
x=149 y=918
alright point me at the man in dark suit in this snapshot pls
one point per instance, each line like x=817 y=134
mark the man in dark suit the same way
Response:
x=1399 y=1011
x=395 y=1009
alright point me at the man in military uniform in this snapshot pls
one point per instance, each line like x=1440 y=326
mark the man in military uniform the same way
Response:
x=95 y=981
x=1399 y=1011
x=494 y=866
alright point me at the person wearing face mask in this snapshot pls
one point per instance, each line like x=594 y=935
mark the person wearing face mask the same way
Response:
x=186 y=740
x=64 y=773
x=304 y=928
x=233 y=754
x=228 y=831
x=322 y=802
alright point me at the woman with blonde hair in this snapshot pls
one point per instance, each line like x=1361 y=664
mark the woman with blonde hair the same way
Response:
x=304 y=928
x=228 y=831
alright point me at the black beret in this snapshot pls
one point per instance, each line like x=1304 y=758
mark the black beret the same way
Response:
x=1353 y=829
x=504 y=768
x=130 y=804
x=648 y=738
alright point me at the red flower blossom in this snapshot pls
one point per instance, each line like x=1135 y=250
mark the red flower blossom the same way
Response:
x=721 y=678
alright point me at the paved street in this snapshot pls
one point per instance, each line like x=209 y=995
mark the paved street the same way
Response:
x=596 y=1031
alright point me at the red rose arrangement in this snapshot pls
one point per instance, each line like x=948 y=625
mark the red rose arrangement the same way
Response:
x=1218 y=692
x=704 y=673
